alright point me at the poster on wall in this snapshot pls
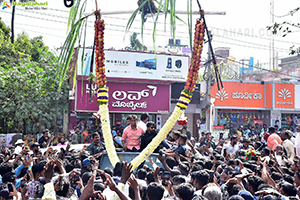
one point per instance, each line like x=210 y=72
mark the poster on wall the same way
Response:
x=123 y=64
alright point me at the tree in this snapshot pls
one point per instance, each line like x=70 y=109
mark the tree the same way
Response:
x=135 y=44
x=29 y=79
x=286 y=28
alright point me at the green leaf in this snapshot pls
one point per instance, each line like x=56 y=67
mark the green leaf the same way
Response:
x=132 y=17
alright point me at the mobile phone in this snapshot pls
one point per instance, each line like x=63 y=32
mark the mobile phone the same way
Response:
x=166 y=175
x=211 y=177
x=232 y=162
x=10 y=187
x=271 y=162
x=28 y=176
x=27 y=157
x=164 y=183
x=226 y=170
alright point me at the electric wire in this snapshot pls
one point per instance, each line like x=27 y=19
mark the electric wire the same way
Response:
x=151 y=34
x=120 y=18
x=289 y=13
x=178 y=32
x=263 y=69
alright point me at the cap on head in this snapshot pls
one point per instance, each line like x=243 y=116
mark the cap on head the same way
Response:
x=19 y=141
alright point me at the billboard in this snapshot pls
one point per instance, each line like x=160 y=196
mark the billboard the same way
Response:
x=122 y=64
x=236 y=94
x=125 y=97
x=284 y=95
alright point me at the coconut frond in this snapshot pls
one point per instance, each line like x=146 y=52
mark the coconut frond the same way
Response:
x=146 y=7
x=190 y=24
x=73 y=36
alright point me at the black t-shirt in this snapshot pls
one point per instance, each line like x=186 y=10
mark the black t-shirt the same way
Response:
x=42 y=140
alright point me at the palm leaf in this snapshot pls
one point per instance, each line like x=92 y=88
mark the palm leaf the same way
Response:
x=72 y=15
x=155 y=22
x=190 y=25
x=173 y=18
x=69 y=44
x=65 y=60
x=132 y=18
x=166 y=8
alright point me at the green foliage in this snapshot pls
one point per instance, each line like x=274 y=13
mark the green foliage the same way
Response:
x=286 y=28
x=135 y=44
x=167 y=7
x=29 y=80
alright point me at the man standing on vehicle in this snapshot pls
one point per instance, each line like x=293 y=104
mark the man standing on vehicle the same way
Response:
x=142 y=123
x=97 y=148
x=131 y=138
x=45 y=140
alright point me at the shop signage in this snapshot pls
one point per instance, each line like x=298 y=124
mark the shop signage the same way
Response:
x=260 y=122
x=284 y=95
x=133 y=96
x=221 y=128
x=123 y=64
x=236 y=94
x=126 y=97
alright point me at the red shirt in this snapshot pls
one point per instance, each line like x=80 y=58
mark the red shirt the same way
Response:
x=132 y=137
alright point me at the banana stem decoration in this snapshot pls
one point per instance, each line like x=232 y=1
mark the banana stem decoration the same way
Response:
x=102 y=94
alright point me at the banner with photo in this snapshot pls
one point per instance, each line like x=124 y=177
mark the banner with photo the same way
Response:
x=124 y=64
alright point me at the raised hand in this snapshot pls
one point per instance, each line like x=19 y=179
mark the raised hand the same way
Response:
x=89 y=191
x=111 y=183
x=49 y=171
x=126 y=172
x=133 y=182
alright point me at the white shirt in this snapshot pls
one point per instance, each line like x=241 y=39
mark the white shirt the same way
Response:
x=289 y=147
x=297 y=144
x=18 y=149
x=142 y=125
x=141 y=182
x=231 y=150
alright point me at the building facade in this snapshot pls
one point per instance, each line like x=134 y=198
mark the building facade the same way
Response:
x=138 y=82
x=251 y=102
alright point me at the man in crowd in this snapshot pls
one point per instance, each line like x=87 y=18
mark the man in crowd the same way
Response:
x=181 y=149
x=232 y=130
x=148 y=136
x=273 y=139
x=245 y=145
x=44 y=141
x=131 y=138
x=184 y=130
x=19 y=146
x=143 y=121
x=96 y=147
x=231 y=148
x=297 y=141
x=288 y=145
x=85 y=133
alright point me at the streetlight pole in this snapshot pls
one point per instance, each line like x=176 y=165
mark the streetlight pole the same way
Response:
x=208 y=88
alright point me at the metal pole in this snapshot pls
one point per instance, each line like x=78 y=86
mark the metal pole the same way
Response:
x=208 y=85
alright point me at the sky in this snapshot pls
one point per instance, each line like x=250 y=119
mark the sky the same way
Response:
x=242 y=29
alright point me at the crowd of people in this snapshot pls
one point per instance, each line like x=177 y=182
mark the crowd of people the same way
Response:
x=252 y=163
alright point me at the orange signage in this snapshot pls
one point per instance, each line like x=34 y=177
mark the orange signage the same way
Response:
x=236 y=94
x=284 y=95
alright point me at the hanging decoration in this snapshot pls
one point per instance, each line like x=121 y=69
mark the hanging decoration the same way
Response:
x=183 y=102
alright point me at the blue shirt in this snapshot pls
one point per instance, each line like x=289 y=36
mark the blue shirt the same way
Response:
x=181 y=149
